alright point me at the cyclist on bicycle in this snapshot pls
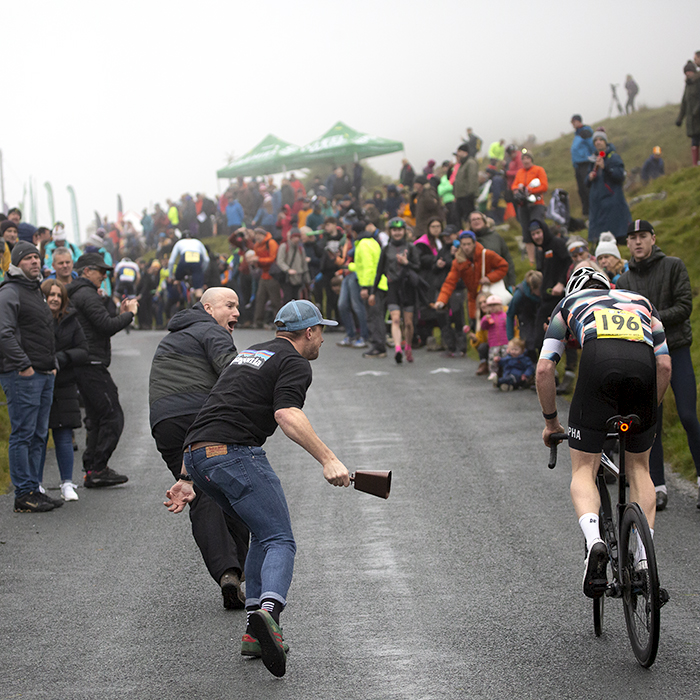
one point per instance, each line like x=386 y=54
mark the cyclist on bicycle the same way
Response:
x=127 y=276
x=625 y=368
x=193 y=261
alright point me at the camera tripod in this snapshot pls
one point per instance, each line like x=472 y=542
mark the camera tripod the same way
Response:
x=614 y=101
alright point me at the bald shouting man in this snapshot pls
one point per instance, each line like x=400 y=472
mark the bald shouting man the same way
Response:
x=186 y=366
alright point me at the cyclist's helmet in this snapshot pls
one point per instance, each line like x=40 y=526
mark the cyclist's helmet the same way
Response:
x=586 y=278
x=397 y=223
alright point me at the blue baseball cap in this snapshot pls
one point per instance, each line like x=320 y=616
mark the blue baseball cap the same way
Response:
x=298 y=314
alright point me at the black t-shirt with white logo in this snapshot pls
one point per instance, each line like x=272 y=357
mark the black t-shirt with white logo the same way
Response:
x=241 y=407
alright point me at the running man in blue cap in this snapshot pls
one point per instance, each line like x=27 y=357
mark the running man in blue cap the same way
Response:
x=263 y=387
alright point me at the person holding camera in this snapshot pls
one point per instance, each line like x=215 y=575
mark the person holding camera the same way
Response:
x=528 y=187
x=609 y=210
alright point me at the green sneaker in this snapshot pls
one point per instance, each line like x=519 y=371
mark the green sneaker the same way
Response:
x=269 y=636
x=250 y=646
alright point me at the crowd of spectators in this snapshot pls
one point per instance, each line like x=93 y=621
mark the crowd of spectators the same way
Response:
x=416 y=263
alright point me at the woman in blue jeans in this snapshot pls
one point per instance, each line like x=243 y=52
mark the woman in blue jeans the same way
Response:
x=71 y=351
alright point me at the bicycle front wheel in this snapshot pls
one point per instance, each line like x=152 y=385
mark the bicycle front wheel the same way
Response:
x=640 y=585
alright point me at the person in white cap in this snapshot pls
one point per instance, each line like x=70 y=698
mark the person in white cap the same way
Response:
x=263 y=387
x=59 y=240
x=608 y=256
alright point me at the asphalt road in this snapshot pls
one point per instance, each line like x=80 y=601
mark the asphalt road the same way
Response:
x=465 y=583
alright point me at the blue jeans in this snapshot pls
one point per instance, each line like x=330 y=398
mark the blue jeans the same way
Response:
x=685 y=393
x=349 y=301
x=28 y=404
x=243 y=480
x=63 y=440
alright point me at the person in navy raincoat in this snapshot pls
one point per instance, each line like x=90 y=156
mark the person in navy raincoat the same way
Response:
x=608 y=206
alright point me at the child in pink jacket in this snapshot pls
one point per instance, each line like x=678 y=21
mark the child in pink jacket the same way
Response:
x=495 y=323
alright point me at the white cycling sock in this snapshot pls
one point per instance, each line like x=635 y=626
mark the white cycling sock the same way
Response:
x=591 y=530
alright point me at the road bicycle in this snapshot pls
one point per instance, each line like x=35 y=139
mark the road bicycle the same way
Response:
x=625 y=531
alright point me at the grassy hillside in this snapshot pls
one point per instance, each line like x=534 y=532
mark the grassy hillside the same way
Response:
x=677 y=223
x=632 y=135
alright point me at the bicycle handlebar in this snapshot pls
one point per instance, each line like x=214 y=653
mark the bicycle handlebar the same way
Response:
x=554 y=439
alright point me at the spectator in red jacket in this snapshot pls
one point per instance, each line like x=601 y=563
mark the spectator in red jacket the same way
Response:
x=475 y=266
x=528 y=187
x=265 y=248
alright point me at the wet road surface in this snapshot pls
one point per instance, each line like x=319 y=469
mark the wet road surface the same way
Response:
x=465 y=583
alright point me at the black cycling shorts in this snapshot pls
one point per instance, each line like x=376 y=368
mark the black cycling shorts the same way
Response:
x=194 y=270
x=400 y=297
x=125 y=289
x=616 y=377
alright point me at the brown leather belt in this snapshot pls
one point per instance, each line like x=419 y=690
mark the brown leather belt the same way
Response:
x=198 y=445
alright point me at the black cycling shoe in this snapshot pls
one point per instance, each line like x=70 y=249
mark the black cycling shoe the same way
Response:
x=595 y=578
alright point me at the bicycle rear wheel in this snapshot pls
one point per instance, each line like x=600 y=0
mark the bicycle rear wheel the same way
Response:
x=640 y=585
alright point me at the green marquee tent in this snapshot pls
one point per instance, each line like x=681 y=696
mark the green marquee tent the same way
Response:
x=268 y=157
x=341 y=144
x=338 y=146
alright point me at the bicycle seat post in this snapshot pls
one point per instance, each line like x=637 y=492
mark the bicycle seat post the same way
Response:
x=623 y=425
x=622 y=481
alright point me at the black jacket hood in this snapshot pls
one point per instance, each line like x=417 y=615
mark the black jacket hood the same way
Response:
x=188 y=317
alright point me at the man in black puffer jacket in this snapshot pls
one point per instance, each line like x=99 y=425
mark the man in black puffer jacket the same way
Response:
x=664 y=281
x=27 y=375
x=104 y=418
x=186 y=365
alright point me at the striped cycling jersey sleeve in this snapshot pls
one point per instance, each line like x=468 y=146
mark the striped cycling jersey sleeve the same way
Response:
x=658 y=333
x=555 y=338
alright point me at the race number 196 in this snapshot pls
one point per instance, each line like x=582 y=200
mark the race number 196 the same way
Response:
x=612 y=323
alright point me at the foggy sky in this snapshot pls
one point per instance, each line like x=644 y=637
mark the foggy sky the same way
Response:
x=147 y=98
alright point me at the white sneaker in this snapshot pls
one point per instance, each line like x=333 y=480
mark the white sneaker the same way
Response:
x=68 y=491
x=493 y=377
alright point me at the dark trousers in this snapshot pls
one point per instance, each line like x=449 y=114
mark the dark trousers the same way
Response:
x=104 y=418
x=544 y=311
x=582 y=170
x=145 y=312
x=685 y=393
x=452 y=214
x=290 y=291
x=465 y=206
x=222 y=538
x=453 y=338
x=375 y=322
x=268 y=290
x=527 y=213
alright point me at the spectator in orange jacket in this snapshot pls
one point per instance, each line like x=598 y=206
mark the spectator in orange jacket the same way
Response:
x=523 y=192
x=468 y=264
x=265 y=248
